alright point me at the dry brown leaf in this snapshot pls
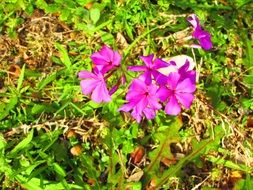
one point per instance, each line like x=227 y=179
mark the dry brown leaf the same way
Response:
x=136 y=176
x=137 y=155
x=152 y=185
x=88 y=5
x=14 y=70
x=168 y=162
x=76 y=150
x=71 y=133
x=250 y=122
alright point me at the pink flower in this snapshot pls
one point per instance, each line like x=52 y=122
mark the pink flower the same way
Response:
x=201 y=35
x=142 y=99
x=151 y=68
x=106 y=59
x=182 y=64
x=179 y=90
x=186 y=72
x=176 y=62
x=95 y=85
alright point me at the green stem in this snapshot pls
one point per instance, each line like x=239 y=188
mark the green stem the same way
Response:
x=132 y=45
x=183 y=161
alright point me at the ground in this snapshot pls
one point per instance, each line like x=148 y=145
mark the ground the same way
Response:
x=54 y=137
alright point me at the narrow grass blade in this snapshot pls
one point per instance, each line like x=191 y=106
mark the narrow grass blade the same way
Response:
x=21 y=78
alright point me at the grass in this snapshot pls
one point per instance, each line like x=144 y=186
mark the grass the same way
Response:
x=53 y=137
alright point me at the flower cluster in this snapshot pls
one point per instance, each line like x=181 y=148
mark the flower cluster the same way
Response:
x=153 y=89
x=94 y=82
x=161 y=84
x=201 y=35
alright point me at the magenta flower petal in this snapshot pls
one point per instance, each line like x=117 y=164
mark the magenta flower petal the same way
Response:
x=193 y=19
x=96 y=95
x=95 y=85
x=161 y=79
x=201 y=35
x=88 y=86
x=136 y=115
x=149 y=113
x=106 y=59
x=185 y=99
x=113 y=89
x=147 y=59
x=98 y=59
x=184 y=68
x=141 y=105
x=138 y=85
x=189 y=74
x=150 y=70
x=116 y=58
x=178 y=90
x=173 y=108
x=192 y=76
x=163 y=93
x=204 y=38
x=159 y=63
x=105 y=94
x=100 y=94
x=152 y=89
x=133 y=96
x=206 y=44
x=141 y=96
x=186 y=86
x=186 y=73
x=126 y=107
x=153 y=103
x=173 y=79
x=147 y=77
x=86 y=74
x=107 y=53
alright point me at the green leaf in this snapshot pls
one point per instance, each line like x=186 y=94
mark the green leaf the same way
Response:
x=2 y=142
x=248 y=79
x=65 y=15
x=247 y=103
x=38 y=108
x=21 y=4
x=11 y=105
x=248 y=182
x=34 y=183
x=94 y=15
x=198 y=149
x=21 y=78
x=92 y=172
x=245 y=184
x=31 y=168
x=22 y=145
x=248 y=60
x=241 y=3
x=64 y=56
x=39 y=184
x=58 y=169
x=165 y=137
x=134 y=186
x=42 y=4
x=229 y=164
x=46 y=81
x=83 y=2
x=107 y=38
x=129 y=31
